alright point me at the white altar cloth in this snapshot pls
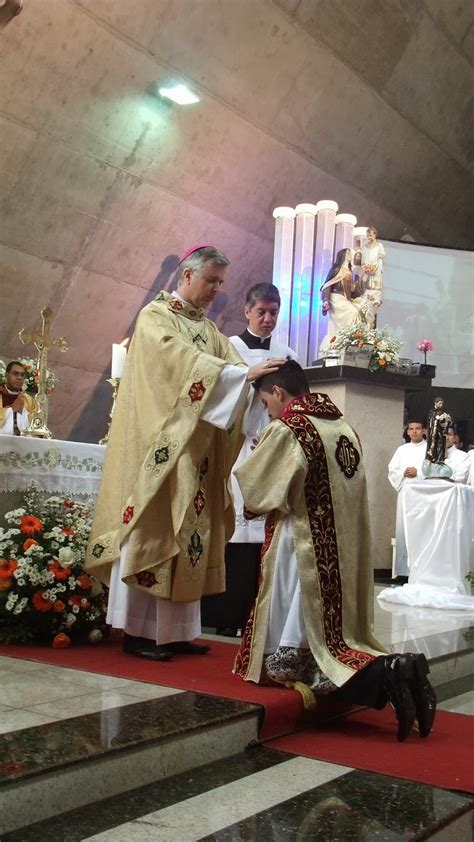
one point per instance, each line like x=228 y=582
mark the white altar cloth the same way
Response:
x=59 y=467
x=438 y=518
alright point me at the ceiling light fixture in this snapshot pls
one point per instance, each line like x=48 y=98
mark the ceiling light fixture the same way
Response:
x=180 y=94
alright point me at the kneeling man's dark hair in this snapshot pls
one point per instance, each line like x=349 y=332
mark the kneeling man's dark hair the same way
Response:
x=289 y=376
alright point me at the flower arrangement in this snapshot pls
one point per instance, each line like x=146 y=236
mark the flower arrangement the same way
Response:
x=385 y=348
x=31 y=379
x=425 y=345
x=370 y=268
x=44 y=592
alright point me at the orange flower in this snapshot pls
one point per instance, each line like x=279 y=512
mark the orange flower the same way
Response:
x=381 y=362
x=5 y=584
x=40 y=603
x=60 y=572
x=360 y=344
x=61 y=641
x=67 y=531
x=58 y=606
x=68 y=504
x=30 y=542
x=84 y=581
x=29 y=524
x=7 y=568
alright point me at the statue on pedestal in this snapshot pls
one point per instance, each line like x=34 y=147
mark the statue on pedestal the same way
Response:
x=438 y=422
x=372 y=257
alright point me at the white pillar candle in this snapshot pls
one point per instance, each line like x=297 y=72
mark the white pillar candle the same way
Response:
x=282 y=268
x=326 y=210
x=119 y=353
x=344 y=238
x=302 y=280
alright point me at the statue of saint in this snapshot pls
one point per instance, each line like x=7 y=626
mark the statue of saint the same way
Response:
x=438 y=422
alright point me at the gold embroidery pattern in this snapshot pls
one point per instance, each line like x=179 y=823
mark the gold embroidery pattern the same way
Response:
x=323 y=532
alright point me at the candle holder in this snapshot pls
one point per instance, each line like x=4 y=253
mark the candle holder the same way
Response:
x=115 y=383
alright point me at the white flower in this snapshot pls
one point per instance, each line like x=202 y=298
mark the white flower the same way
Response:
x=21 y=582
x=75 y=609
x=66 y=556
x=71 y=582
x=70 y=619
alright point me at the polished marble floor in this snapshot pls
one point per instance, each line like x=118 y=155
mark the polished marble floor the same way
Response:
x=34 y=694
x=251 y=796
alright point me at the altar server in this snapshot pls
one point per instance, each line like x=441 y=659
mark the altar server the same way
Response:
x=457 y=460
x=163 y=514
x=405 y=466
x=310 y=627
x=16 y=405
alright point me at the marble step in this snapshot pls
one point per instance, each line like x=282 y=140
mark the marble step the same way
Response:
x=265 y=794
x=68 y=764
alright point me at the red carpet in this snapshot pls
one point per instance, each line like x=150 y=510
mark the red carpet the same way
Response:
x=367 y=740
x=211 y=673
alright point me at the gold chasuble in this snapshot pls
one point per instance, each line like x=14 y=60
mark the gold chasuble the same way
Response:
x=307 y=467
x=164 y=484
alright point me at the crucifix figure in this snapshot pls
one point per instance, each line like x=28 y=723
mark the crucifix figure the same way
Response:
x=38 y=425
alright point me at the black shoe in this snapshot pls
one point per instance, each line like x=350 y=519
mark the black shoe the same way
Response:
x=155 y=653
x=227 y=632
x=398 y=673
x=142 y=647
x=184 y=647
x=423 y=694
x=130 y=643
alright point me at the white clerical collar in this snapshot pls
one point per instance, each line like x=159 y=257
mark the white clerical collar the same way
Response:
x=262 y=338
x=11 y=392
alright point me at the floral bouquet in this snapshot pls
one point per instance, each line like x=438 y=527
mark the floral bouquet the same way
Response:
x=31 y=380
x=44 y=592
x=385 y=347
x=425 y=345
x=370 y=268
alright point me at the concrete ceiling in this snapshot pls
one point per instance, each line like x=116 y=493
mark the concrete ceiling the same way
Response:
x=365 y=102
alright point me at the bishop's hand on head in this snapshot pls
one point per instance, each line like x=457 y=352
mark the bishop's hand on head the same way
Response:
x=260 y=369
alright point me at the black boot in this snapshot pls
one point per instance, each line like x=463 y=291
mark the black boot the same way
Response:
x=398 y=675
x=423 y=694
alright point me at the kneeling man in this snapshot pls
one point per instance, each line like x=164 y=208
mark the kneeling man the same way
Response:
x=311 y=623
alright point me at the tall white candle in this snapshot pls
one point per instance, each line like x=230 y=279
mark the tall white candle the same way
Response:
x=119 y=353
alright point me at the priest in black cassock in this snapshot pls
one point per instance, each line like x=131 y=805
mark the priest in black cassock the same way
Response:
x=228 y=612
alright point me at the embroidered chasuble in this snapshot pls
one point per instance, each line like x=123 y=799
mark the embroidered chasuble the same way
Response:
x=164 y=484
x=307 y=475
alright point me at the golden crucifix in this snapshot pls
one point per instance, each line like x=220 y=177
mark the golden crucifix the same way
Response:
x=38 y=425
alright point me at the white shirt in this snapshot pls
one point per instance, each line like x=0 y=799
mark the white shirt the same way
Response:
x=459 y=462
x=406 y=456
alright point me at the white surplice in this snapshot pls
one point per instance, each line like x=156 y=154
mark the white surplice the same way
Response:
x=161 y=620
x=459 y=462
x=255 y=420
x=406 y=456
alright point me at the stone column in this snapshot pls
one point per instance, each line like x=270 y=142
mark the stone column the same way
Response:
x=326 y=211
x=282 y=267
x=302 y=280
x=344 y=238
